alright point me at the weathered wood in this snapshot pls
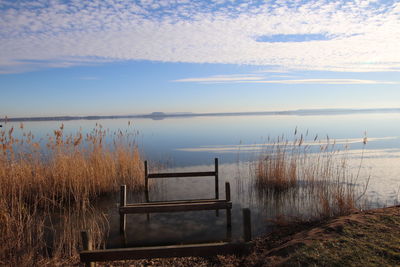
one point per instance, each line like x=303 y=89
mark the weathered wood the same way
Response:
x=179 y=174
x=228 y=211
x=146 y=180
x=227 y=191
x=122 y=203
x=216 y=179
x=193 y=250
x=246 y=225
x=176 y=207
x=178 y=202
x=146 y=170
x=228 y=232
x=228 y=218
x=87 y=246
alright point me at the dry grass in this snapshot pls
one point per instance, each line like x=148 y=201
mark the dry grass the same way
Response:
x=47 y=187
x=314 y=173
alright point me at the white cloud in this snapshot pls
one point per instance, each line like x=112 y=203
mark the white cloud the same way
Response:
x=327 y=81
x=260 y=79
x=363 y=35
x=223 y=78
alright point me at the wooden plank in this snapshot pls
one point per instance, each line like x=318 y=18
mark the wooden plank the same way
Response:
x=122 y=203
x=192 y=250
x=179 y=174
x=178 y=201
x=175 y=207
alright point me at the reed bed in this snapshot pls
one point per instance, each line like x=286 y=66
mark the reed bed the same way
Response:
x=48 y=186
x=313 y=176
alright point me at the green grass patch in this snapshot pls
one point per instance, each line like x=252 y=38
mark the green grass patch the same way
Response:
x=375 y=242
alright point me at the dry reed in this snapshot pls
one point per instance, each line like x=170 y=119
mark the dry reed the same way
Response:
x=314 y=173
x=47 y=188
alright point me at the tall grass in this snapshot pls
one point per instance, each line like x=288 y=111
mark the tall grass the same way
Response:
x=314 y=173
x=47 y=187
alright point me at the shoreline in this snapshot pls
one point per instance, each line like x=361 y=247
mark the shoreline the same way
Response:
x=362 y=238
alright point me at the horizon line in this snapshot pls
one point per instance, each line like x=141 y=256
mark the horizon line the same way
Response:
x=162 y=115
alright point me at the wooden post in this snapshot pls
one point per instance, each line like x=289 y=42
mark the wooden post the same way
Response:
x=228 y=210
x=216 y=184
x=122 y=238
x=87 y=245
x=216 y=179
x=146 y=180
x=227 y=191
x=122 y=215
x=246 y=225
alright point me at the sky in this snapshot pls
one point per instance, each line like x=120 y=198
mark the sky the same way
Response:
x=119 y=57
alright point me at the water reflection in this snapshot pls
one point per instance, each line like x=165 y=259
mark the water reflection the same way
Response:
x=190 y=144
x=173 y=140
x=266 y=207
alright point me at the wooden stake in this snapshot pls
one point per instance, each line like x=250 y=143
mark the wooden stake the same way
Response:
x=216 y=179
x=87 y=246
x=122 y=203
x=228 y=210
x=227 y=191
x=146 y=180
x=246 y=225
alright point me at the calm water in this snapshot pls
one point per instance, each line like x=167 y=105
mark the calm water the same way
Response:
x=191 y=144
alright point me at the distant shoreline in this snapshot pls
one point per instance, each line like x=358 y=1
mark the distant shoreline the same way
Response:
x=162 y=115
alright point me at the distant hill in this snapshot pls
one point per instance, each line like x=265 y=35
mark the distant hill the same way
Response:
x=161 y=115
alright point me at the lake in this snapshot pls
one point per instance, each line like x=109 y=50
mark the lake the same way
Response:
x=192 y=143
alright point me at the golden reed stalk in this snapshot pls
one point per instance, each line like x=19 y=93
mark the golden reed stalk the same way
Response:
x=47 y=187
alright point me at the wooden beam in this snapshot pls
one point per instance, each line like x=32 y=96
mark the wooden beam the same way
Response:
x=216 y=179
x=246 y=225
x=122 y=203
x=188 y=201
x=87 y=246
x=227 y=191
x=138 y=208
x=146 y=180
x=146 y=170
x=193 y=250
x=228 y=211
x=179 y=174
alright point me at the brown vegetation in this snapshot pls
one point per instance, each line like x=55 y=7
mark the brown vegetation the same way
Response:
x=315 y=174
x=47 y=187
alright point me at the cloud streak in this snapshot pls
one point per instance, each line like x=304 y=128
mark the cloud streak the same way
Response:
x=223 y=79
x=262 y=80
x=361 y=35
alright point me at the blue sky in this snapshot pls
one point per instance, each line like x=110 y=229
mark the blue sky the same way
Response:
x=131 y=57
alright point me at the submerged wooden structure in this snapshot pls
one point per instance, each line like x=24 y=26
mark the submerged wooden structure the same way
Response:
x=89 y=256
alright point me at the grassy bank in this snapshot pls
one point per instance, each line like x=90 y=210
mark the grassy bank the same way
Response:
x=369 y=238
x=362 y=238
x=47 y=188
